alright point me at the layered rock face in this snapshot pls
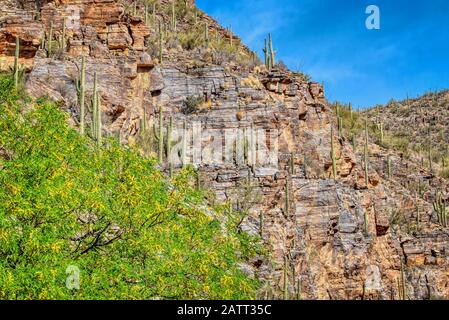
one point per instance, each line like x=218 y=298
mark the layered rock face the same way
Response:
x=336 y=238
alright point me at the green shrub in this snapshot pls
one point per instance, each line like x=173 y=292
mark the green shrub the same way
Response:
x=132 y=232
x=192 y=104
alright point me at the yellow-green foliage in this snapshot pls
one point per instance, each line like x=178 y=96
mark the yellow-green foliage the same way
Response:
x=132 y=232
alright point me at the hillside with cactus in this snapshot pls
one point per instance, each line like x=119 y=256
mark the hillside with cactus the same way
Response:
x=117 y=113
x=427 y=142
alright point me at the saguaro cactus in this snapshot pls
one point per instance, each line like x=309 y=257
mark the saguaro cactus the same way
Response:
x=160 y=137
x=98 y=125
x=50 y=40
x=144 y=119
x=261 y=223
x=231 y=37
x=287 y=198
x=96 y=112
x=173 y=16
x=402 y=291
x=198 y=180
x=82 y=94
x=418 y=213
x=439 y=206
x=292 y=164
x=351 y=115
x=389 y=166
x=353 y=142
x=381 y=126
x=365 y=222
x=169 y=145
x=16 y=63
x=285 y=278
x=145 y=14
x=94 y=105
x=62 y=45
x=161 y=43
x=298 y=289
x=366 y=154
x=333 y=157
x=272 y=52
x=267 y=56
x=253 y=146
x=154 y=13
x=184 y=145
x=340 y=126
x=429 y=149
x=206 y=33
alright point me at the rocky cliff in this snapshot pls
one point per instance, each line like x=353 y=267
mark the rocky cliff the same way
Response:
x=331 y=236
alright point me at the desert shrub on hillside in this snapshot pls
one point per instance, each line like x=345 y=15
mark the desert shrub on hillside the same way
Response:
x=132 y=233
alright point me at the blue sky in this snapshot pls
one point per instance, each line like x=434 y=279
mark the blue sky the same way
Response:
x=328 y=39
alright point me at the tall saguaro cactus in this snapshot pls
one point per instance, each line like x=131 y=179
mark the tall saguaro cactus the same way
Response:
x=16 y=63
x=292 y=164
x=82 y=94
x=402 y=291
x=333 y=157
x=439 y=206
x=231 y=37
x=173 y=16
x=429 y=150
x=285 y=289
x=98 y=126
x=63 y=42
x=206 y=33
x=96 y=119
x=389 y=166
x=161 y=42
x=287 y=198
x=169 y=145
x=184 y=145
x=267 y=56
x=94 y=107
x=154 y=14
x=365 y=151
x=272 y=52
x=160 y=137
x=253 y=146
x=381 y=125
x=50 y=40
x=145 y=14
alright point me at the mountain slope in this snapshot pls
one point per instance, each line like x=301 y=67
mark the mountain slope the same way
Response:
x=334 y=229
